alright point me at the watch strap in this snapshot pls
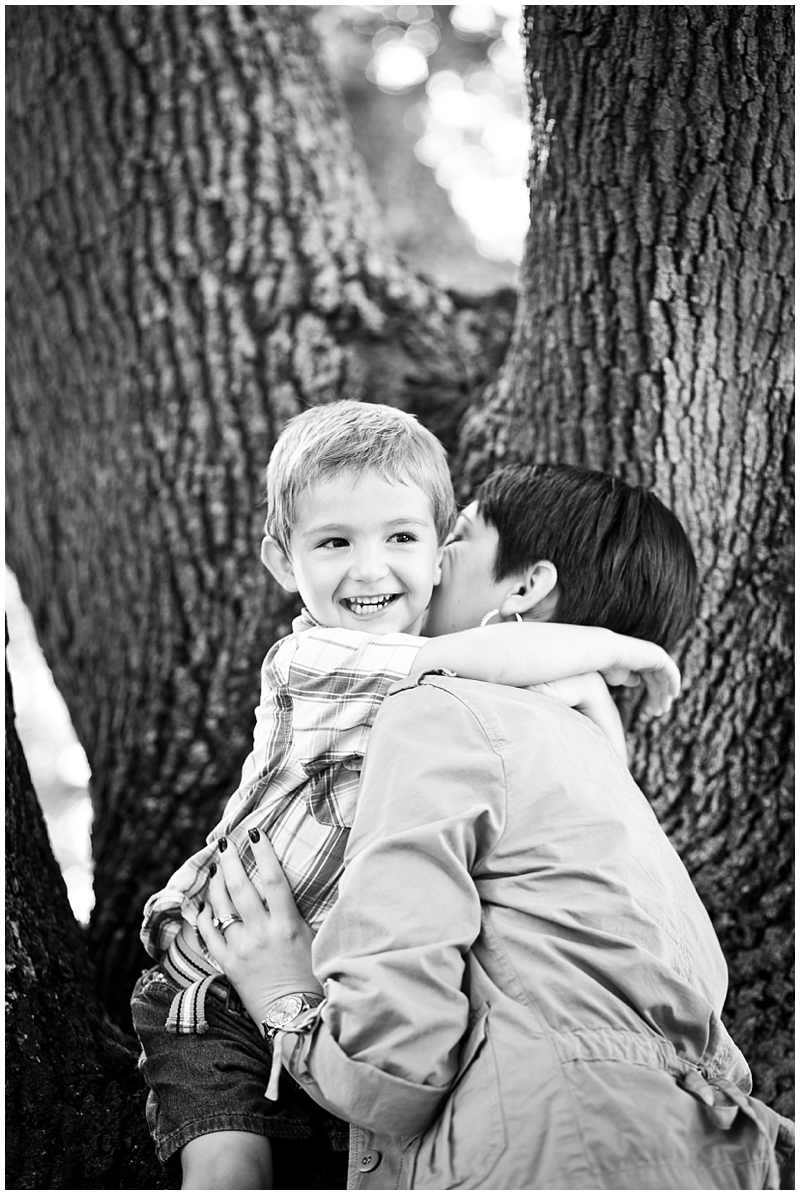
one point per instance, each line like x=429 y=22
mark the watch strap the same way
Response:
x=301 y=1002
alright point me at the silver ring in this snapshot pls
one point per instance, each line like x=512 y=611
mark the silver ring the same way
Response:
x=222 y=923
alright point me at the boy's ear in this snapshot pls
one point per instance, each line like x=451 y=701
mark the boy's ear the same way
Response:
x=437 y=573
x=278 y=563
x=535 y=592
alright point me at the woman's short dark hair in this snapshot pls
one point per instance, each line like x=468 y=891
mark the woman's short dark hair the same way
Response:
x=623 y=559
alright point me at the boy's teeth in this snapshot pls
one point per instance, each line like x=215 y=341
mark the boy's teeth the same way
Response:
x=362 y=605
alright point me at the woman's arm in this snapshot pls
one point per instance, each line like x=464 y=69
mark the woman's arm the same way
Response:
x=530 y=653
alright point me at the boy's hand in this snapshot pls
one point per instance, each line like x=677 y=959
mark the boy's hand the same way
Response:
x=589 y=695
x=638 y=660
x=266 y=952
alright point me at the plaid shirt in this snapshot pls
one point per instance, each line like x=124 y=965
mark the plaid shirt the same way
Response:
x=321 y=689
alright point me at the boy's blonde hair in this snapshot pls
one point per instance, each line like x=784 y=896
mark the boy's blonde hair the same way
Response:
x=355 y=437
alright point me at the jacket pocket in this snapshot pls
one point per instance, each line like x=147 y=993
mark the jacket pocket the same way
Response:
x=461 y=1147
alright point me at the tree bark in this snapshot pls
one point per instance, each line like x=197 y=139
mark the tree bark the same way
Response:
x=193 y=255
x=74 y=1098
x=654 y=339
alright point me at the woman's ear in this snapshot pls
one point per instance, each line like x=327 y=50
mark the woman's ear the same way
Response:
x=535 y=593
x=278 y=563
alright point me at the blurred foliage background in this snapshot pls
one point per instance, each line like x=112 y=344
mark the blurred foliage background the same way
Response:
x=436 y=97
x=437 y=100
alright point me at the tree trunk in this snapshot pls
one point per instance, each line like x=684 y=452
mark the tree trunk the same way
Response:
x=74 y=1098
x=193 y=255
x=654 y=339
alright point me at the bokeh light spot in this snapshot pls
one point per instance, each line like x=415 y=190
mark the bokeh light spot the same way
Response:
x=398 y=65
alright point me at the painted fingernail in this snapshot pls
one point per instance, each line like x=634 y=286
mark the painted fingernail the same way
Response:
x=222 y=845
x=254 y=835
x=212 y=870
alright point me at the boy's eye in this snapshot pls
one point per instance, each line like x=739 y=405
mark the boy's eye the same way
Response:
x=404 y=537
x=335 y=541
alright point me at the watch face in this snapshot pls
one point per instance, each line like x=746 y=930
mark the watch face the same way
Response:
x=285 y=1009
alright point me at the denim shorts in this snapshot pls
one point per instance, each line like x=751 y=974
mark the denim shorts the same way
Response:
x=215 y=1081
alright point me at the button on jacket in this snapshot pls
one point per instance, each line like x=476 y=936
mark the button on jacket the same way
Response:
x=523 y=987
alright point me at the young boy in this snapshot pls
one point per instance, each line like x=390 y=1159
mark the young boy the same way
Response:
x=360 y=507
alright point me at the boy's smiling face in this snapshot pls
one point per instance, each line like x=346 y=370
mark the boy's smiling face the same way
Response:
x=363 y=554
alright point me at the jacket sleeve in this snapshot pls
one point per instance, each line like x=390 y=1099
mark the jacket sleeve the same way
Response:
x=383 y=1049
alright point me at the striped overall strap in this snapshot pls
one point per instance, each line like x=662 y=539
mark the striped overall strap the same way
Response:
x=194 y=975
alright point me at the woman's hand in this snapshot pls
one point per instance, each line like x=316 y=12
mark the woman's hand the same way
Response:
x=266 y=953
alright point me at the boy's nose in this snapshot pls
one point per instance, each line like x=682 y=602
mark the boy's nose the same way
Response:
x=369 y=564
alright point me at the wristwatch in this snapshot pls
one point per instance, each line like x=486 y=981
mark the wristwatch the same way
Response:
x=286 y=1008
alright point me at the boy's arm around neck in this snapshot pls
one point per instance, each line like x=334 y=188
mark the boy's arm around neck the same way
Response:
x=531 y=653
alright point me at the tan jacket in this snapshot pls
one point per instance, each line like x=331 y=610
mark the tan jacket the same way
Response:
x=523 y=987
